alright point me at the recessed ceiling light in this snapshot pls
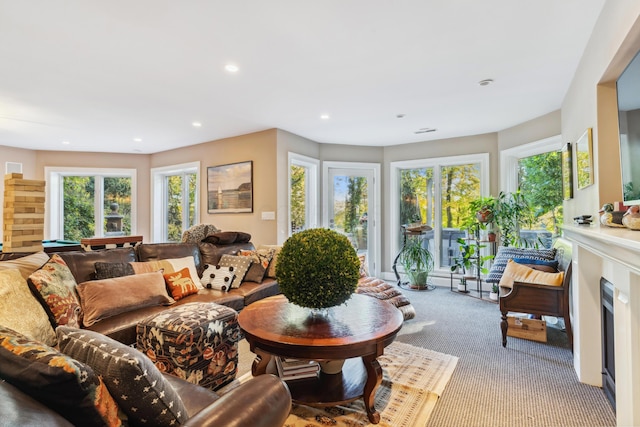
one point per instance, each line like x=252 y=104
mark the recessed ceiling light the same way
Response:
x=137 y=139
x=196 y=124
x=485 y=82
x=231 y=68
x=325 y=117
x=66 y=142
x=400 y=116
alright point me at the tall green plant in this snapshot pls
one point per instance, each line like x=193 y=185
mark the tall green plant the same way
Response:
x=417 y=262
x=511 y=213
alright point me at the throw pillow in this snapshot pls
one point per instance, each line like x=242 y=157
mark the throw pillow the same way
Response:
x=533 y=261
x=132 y=379
x=70 y=387
x=364 y=269
x=221 y=238
x=169 y=265
x=260 y=259
x=20 y=311
x=108 y=270
x=271 y=272
x=240 y=266
x=106 y=298
x=218 y=278
x=55 y=285
x=506 y=253
x=26 y=264
x=180 y=284
x=515 y=272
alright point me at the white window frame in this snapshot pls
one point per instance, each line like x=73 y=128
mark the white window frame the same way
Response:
x=159 y=197
x=53 y=224
x=510 y=157
x=312 y=181
x=436 y=163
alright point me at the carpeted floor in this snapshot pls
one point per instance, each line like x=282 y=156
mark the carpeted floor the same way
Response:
x=527 y=384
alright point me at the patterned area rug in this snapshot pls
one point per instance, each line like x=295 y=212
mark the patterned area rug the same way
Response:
x=413 y=379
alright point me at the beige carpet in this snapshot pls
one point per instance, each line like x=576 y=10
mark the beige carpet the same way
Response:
x=413 y=380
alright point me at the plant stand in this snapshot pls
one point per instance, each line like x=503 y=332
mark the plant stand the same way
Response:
x=477 y=277
x=417 y=234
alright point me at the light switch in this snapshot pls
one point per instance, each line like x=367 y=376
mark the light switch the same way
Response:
x=268 y=216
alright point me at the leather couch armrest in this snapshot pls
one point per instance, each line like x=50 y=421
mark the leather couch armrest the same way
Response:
x=263 y=401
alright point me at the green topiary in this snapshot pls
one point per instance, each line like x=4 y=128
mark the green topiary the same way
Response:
x=318 y=268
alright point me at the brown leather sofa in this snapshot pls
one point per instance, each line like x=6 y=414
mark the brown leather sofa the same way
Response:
x=122 y=327
x=263 y=401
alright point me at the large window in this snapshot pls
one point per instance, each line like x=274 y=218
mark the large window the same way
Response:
x=303 y=193
x=175 y=200
x=86 y=203
x=535 y=170
x=436 y=192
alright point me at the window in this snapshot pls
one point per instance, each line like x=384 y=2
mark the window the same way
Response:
x=436 y=192
x=175 y=200
x=303 y=192
x=535 y=170
x=86 y=202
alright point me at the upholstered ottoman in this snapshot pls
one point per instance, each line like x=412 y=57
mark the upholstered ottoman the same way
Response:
x=197 y=342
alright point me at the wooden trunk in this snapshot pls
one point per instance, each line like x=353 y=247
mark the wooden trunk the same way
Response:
x=528 y=329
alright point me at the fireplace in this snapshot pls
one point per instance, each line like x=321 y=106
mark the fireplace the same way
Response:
x=608 y=343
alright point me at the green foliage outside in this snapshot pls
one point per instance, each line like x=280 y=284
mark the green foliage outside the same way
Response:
x=460 y=184
x=298 y=198
x=175 y=205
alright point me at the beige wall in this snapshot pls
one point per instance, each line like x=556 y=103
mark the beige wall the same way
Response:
x=259 y=147
x=590 y=102
x=533 y=130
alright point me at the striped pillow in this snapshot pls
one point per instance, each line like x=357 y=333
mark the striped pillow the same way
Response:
x=506 y=253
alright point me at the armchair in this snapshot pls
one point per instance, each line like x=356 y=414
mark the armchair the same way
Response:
x=541 y=299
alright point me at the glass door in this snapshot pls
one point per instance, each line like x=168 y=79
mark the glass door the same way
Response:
x=350 y=208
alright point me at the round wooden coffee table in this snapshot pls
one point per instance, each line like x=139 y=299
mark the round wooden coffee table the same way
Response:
x=357 y=331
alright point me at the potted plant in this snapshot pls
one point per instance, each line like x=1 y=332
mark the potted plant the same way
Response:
x=317 y=268
x=511 y=212
x=483 y=209
x=462 y=286
x=493 y=295
x=470 y=258
x=417 y=262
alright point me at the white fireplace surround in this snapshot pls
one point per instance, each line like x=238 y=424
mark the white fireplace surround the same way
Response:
x=612 y=253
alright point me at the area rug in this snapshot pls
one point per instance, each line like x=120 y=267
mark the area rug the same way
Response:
x=413 y=380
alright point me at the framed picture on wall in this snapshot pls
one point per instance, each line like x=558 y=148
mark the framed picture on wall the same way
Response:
x=230 y=188
x=567 y=172
x=584 y=159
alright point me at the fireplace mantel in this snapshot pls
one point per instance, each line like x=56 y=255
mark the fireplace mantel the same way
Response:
x=614 y=254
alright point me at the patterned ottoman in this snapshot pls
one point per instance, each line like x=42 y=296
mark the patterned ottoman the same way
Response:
x=197 y=342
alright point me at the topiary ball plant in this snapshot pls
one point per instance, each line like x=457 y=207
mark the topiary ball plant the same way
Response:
x=318 y=268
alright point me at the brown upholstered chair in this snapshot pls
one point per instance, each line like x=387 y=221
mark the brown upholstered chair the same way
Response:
x=541 y=299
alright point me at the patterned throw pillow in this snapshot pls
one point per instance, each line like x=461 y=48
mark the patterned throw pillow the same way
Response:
x=218 y=278
x=506 y=253
x=55 y=285
x=271 y=272
x=26 y=264
x=240 y=266
x=364 y=269
x=70 y=387
x=180 y=284
x=20 y=311
x=260 y=259
x=132 y=379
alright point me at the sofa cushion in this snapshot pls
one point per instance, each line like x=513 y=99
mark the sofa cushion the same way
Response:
x=506 y=253
x=26 y=264
x=139 y=388
x=227 y=237
x=240 y=266
x=170 y=265
x=271 y=271
x=180 y=284
x=109 y=270
x=260 y=259
x=62 y=383
x=20 y=311
x=106 y=298
x=82 y=264
x=55 y=285
x=158 y=251
x=515 y=272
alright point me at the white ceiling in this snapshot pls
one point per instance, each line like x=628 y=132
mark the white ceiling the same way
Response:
x=100 y=73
